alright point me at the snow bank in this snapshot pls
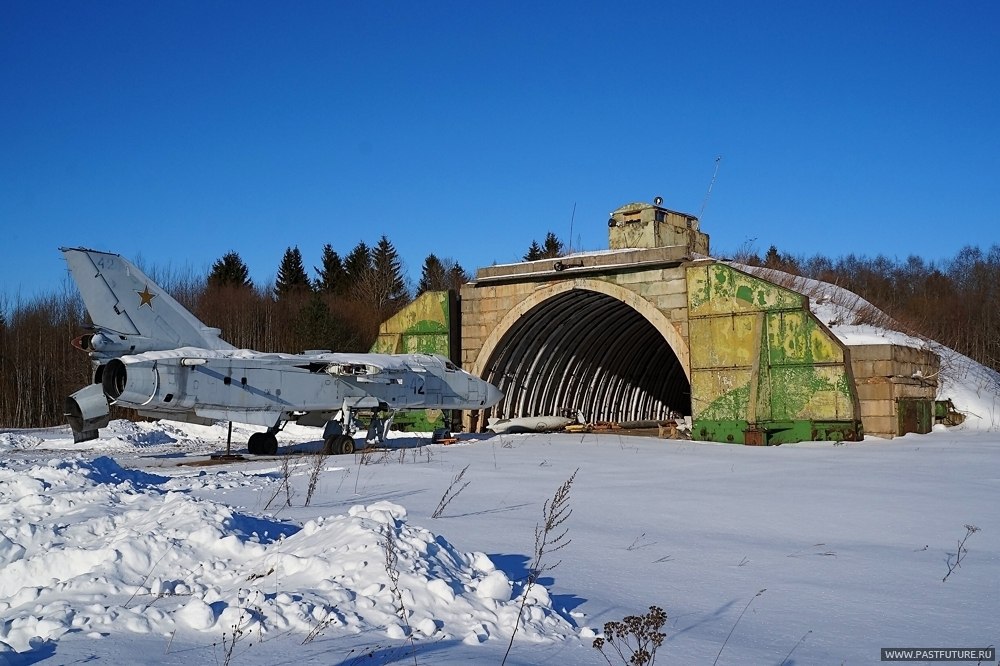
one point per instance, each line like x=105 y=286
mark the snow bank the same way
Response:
x=88 y=546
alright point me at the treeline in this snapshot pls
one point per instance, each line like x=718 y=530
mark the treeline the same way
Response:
x=339 y=309
x=955 y=302
x=340 y=304
x=38 y=366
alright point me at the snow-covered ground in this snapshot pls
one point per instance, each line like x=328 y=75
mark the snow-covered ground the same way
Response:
x=115 y=552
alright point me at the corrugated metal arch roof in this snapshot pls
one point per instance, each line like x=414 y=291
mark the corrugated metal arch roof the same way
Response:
x=588 y=351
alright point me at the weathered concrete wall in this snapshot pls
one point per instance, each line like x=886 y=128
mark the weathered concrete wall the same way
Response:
x=638 y=225
x=887 y=374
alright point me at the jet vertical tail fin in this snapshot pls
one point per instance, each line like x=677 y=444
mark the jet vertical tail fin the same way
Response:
x=131 y=313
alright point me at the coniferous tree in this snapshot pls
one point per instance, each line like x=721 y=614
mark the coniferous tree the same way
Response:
x=457 y=277
x=534 y=252
x=332 y=275
x=772 y=258
x=552 y=248
x=389 y=288
x=312 y=324
x=292 y=278
x=433 y=277
x=358 y=263
x=783 y=261
x=441 y=275
x=229 y=271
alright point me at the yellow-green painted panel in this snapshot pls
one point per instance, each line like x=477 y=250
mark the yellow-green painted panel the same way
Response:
x=825 y=349
x=718 y=289
x=786 y=337
x=804 y=392
x=759 y=356
x=420 y=327
x=720 y=394
x=796 y=337
x=722 y=341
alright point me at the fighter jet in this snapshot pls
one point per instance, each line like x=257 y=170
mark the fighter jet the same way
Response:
x=152 y=355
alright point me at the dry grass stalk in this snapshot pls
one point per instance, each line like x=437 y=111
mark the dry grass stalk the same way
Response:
x=548 y=539
x=456 y=487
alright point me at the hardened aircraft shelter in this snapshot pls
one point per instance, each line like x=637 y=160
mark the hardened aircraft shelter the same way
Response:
x=653 y=330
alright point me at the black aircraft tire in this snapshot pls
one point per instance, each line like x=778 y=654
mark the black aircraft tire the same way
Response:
x=262 y=444
x=346 y=445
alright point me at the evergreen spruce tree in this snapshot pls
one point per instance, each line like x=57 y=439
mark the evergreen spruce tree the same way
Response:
x=552 y=248
x=332 y=275
x=292 y=278
x=773 y=258
x=441 y=275
x=534 y=252
x=457 y=277
x=389 y=291
x=229 y=271
x=315 y=325
x=433 y=277
x=358 y=264
x=788 y=263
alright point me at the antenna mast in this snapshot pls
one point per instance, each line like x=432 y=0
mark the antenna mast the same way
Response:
x=569 y=250
x=718 y=161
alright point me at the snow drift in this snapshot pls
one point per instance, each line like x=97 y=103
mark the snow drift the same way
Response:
x=89 y=545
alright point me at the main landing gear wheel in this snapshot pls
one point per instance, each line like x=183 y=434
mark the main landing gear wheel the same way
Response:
x=262 y=444
x=338 y=445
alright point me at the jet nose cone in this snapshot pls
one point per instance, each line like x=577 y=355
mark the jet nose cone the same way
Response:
x=493 y=395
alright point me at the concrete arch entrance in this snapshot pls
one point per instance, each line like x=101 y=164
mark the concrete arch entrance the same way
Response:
x=589 y=345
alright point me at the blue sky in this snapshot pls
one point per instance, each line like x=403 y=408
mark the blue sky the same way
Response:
x=175 y=132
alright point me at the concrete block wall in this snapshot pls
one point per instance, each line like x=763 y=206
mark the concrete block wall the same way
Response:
x=887 y=373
